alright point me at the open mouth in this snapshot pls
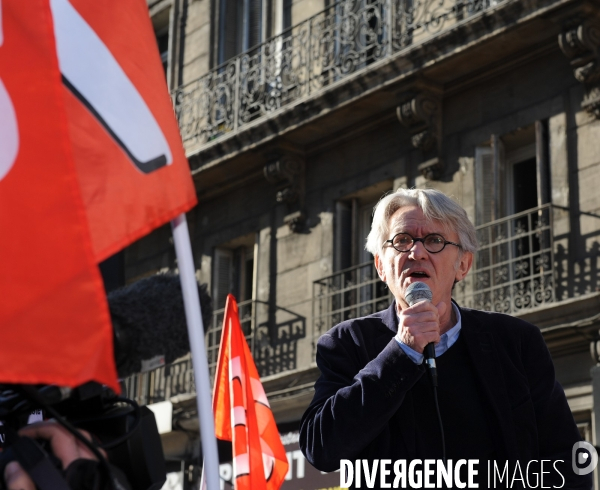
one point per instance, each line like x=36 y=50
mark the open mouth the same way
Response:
x=418 y=275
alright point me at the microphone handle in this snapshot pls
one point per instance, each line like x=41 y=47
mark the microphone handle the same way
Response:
x=429 y=351
x=429 y=355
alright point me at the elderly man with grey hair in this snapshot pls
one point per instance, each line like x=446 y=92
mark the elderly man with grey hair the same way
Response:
x=497 y=401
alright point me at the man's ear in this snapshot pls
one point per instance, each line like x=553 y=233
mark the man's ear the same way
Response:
x=464 y=266
x=379 y=267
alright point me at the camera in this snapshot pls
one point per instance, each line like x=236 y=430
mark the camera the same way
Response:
x=126 y=432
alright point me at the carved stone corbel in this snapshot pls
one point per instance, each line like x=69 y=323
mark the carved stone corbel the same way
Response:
x=421 y=115
x=431 y=169
x=286 y=172
x=580 y=42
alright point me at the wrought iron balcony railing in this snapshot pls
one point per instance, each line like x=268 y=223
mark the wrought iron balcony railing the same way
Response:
x=340 y=41
x=177 y=378
x=514 y=268
x=351 y=293
x=273 y=349
x=162 y=383
x=513 y=271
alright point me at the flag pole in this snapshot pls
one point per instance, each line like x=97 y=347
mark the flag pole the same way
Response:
x=191 y=301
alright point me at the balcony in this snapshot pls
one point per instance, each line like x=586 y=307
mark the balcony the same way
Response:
x=342 y=41
x=523 y=264
x=524 y=267
x=350 y=293
x=514 y=269
x=274 y=351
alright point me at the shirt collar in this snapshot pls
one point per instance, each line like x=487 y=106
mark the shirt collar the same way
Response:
x=452 y=334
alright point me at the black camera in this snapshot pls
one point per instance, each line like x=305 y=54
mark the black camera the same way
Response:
x=126 y=432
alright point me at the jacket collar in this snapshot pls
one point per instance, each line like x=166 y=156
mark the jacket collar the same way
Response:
x=390 y=318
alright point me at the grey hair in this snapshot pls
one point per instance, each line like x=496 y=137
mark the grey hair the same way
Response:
x=436 y=206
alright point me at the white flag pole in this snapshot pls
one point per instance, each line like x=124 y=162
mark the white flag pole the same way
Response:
x=191 y=301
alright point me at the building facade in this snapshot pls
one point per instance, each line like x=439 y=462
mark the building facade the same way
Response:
x=298 y=115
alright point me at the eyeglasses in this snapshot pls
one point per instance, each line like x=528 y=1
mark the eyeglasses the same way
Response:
x=434 y=243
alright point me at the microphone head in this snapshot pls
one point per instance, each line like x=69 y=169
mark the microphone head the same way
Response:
x=418 y=291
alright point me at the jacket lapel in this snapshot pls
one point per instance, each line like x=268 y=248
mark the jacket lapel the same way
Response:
x=484 y=354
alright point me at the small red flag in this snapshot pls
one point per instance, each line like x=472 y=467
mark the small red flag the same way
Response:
x=130 y=161
x=55 y=322
x=242 y=412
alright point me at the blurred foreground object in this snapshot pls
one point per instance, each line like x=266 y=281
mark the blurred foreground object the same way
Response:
x=80 y=136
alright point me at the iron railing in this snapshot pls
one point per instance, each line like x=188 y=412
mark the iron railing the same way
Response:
x=513 y=271
x=177 y=378
x=340 y=41
x=274 y=351
x=350 y=293
x=514 y=266
x=162 y=383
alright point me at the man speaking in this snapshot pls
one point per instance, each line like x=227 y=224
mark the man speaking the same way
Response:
x=497 y=403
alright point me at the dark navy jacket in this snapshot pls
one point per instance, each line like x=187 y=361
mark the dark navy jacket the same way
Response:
x=363 y=407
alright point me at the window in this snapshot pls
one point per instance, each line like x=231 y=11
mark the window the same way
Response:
x=234 y=271
x=354 y=215
x=162 y=39
x=513 y=268
x=161 y=22
x=355 y=290
x=241 y=25
x=511 y=173
x=353 y=223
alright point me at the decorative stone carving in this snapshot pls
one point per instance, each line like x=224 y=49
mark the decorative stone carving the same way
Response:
x=580 y=42
x=295 y=221
x=421 y=115
x=286 y=172
x=431 y=169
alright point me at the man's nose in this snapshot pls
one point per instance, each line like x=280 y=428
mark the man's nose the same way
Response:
x=418 y=251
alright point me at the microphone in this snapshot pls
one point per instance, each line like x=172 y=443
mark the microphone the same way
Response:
x=149 y=323
x=415 y=293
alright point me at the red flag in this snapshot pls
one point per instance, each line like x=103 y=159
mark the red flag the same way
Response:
x=259 y=459
x=132 y=169
x=55 y=322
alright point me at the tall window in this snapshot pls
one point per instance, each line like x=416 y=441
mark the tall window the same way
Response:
x=161 y=24
x=241 y=25
x=234 y=271
x=513 y=267
x=511 y=174
x=355 y=290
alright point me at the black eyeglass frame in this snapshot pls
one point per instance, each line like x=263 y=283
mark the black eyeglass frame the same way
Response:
x=422 y=240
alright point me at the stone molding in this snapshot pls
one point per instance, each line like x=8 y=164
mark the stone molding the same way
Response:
x=580 y=43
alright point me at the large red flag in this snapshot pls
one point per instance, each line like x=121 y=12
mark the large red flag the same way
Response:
x=259 y=459
x=55 y=322
x=131 y=165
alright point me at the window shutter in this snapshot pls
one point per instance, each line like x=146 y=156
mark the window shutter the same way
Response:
x=254 y=23
x=343 y=235
x=365 y=219
x=484 y=184
x=223 y=282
